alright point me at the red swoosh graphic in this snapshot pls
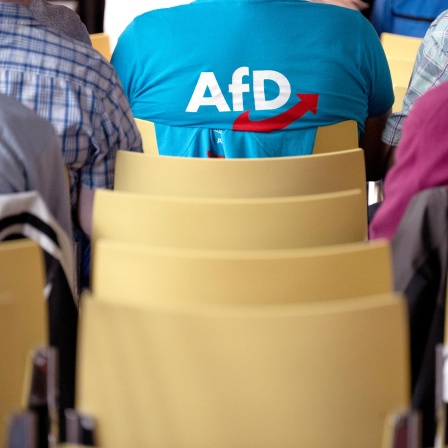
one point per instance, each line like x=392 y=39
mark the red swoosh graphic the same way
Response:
x=308 y=102
x=210 y=155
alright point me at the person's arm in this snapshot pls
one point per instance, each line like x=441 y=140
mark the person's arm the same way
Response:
x=375 y=152
x=429 y=71
x=98 y=171
x=420 y=161
x=85 y=208
x=390 y=157
x=374 y=69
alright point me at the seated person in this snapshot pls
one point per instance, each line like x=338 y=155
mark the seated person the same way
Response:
x=78 y=91
x=75 y=89
x=35 y=203
x=255 y=79
x=421 y=160
x=414 y=217
x=60 y=18
x=429 y=71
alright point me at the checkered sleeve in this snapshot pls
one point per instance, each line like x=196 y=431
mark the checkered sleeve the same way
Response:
x=430 y=70
x=115 y=129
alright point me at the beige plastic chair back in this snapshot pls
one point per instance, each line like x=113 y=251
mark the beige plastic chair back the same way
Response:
x=308 y=375
x=101 y=43
x=145 y=274
x=11 y=364
x=397 y=46
x=401 y=71
x=240 y=178
x=21 y=276
x=148 y=134
x=336 y=137
x=399 y=92
x=239 y=224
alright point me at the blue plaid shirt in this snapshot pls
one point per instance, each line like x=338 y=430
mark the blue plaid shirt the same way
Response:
x=72 y=86
x=430 y=70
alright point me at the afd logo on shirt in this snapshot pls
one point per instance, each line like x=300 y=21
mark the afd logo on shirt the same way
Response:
x=208 y=93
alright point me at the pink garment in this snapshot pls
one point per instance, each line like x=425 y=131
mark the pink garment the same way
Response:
x=421 y=160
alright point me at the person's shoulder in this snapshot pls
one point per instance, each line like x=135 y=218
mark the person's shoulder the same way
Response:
x=160 y=15
x=70 y=61
x=440 y=23
x=438 y=30
x=154 y=23
x=81 y=60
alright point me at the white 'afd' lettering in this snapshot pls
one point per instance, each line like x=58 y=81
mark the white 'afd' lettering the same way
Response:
x=208 y=81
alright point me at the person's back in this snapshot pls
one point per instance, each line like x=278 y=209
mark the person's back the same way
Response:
x=206 y=71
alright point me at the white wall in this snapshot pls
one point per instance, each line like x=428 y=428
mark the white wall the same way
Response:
x=119 y=13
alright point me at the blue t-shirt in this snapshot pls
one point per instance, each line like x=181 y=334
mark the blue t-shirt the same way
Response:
x=251 y=78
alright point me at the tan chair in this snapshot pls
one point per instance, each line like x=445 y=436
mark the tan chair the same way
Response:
x=240 y=224
x=22 y=273
x=399 y=92
x=335 y=137
x=145 y=274
x=401 y=71
x=397 y=46
x=309 y=375
x=101 y=43
x=148 y=133
x=22 y=276
x=243 y=178
x=11 y=364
